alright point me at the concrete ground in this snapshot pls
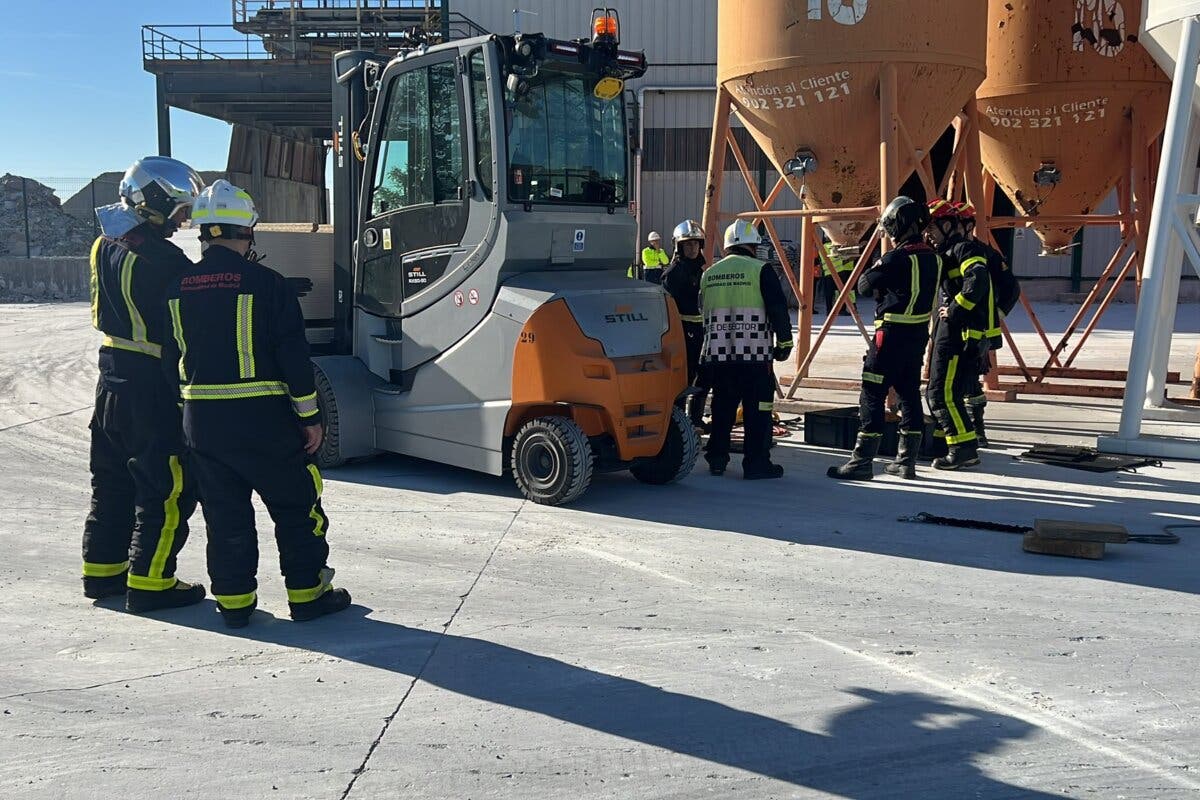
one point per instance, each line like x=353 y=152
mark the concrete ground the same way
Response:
x=711 y=639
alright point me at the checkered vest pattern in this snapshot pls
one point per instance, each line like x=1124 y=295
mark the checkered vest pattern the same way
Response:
x=735 y=316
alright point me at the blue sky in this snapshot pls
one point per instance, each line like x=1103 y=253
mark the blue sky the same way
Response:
x=75 y=97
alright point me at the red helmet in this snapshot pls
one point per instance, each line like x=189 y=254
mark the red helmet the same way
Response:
x=940 y=209
x=966 y=211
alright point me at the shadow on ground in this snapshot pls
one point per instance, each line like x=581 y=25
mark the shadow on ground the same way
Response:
x=889 y=744
x=805 y=507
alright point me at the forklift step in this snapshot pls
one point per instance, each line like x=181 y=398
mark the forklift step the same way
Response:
x=388 y=340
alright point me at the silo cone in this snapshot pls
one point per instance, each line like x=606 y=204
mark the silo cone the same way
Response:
x=1067 y=86
x=805 y=75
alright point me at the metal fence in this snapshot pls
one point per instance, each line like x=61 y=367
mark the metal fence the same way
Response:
x=42 y=216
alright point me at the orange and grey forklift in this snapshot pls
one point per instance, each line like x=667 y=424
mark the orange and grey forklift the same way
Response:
x=476 y=311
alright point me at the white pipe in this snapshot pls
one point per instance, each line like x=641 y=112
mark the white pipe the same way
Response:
x=641 y=104
x=1170 y=171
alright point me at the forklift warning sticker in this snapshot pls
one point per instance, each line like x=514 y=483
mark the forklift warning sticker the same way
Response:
x=580 y=239
x=458 y=299
x=473 y=297
x=387 y=238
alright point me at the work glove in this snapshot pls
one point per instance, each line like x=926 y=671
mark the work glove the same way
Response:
x=781 y=352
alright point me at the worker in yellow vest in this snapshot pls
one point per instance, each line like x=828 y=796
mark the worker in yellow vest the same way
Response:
x=844 y=268
x=654 y=258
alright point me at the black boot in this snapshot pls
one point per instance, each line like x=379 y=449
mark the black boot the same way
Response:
x=99 y=588
x=858 y=468
x=331 y=602
x=977 y=418
x=762 y=472
x=905 y=465
x=237 y=617
x=181 y=594
x=962 y=456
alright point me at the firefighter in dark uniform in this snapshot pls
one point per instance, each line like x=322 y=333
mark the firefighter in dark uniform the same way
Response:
x=747 y=324
x=905 y=284
x=141 y=494
x=681 y=280
x=962 y=324
x=1007 y=292
x=250 y=417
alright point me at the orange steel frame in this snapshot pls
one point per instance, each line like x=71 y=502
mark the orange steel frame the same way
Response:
x=1135 y=194
x=965 y=178
x=965 y=170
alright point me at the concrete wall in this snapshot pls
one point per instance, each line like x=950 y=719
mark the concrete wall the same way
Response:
x=44 y=278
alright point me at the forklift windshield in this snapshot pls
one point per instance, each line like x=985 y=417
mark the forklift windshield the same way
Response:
x=565 y=145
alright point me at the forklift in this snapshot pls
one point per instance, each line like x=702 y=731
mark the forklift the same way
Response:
x=475 y=311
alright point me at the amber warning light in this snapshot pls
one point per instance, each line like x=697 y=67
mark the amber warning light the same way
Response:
x=605 y=26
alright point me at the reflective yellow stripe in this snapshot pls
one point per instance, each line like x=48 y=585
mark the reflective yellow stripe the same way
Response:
x=166 y=537
x=954 y=272
x=91 y=570
x=906 y=319
x=232 y=391
x=136 y=323
x=319 y=520
x=766 y=406
x=231 y=213
x=146 y=348
x=177 y=329
x=151 y=584
x=866 y=435
x=962 y=437
x=971 y=333
x=692 y=318
x=242 y=196
x=914 y=289
x=307 y=595
x=872 y=377
x=305 y=406
x=94 y=282
x=235 y=601
x=948 y=399
x=972 y=261
x=245 y=335
x=788 y=343
x=962 y=300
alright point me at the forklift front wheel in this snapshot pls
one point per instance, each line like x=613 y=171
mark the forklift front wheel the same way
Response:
x=677 y=457
x=551 y=460
x=329 y=455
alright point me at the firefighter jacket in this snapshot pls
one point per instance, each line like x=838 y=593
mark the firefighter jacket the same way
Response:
x=682 y=281
x=237 y=333
x=744 y=307
x=967 y=289
x=905 y=281
x=129 y=279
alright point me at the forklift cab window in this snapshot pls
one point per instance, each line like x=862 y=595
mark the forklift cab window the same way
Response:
x=564 y=144
x=481 y=122
x=402 y=171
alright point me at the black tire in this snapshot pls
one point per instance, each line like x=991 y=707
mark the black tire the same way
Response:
x=551 y=460
x=329 y=454
x=678 y=456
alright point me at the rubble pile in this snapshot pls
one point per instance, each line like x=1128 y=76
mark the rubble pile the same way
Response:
x=52 y=231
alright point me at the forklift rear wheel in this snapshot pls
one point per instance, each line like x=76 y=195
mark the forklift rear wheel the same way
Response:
x=677 y=457
x=551 y=460
x=329 y=455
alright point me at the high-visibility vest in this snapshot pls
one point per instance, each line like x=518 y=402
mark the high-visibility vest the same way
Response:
x=735 y=315
x=655 y=258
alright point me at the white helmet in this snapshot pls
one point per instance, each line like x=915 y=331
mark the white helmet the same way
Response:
x=152 y=190
x=654 y=236
x=742 y=232
x=224 y=204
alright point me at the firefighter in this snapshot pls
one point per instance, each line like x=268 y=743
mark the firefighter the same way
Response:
x=654 y=258
x=141 y=496
x=250 y=417
x=681 y=280
x=959 y=330
x=844 y=268
x=904 y=283
x=747 y=324
x=1007 y=292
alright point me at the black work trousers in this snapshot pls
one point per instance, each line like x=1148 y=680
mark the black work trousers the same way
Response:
x=975 y=393
x=829 y=290
x=141 y=493
x=893 y=361
x=752 y=385
x=255 y=445
x=953 y=371
x=693 y=334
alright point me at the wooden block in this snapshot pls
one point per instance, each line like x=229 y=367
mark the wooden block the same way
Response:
x=1062 y=547
x=1080 y=531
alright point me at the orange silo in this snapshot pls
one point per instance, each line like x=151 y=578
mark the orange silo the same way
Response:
x=804 y=77
x=1068 y=91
